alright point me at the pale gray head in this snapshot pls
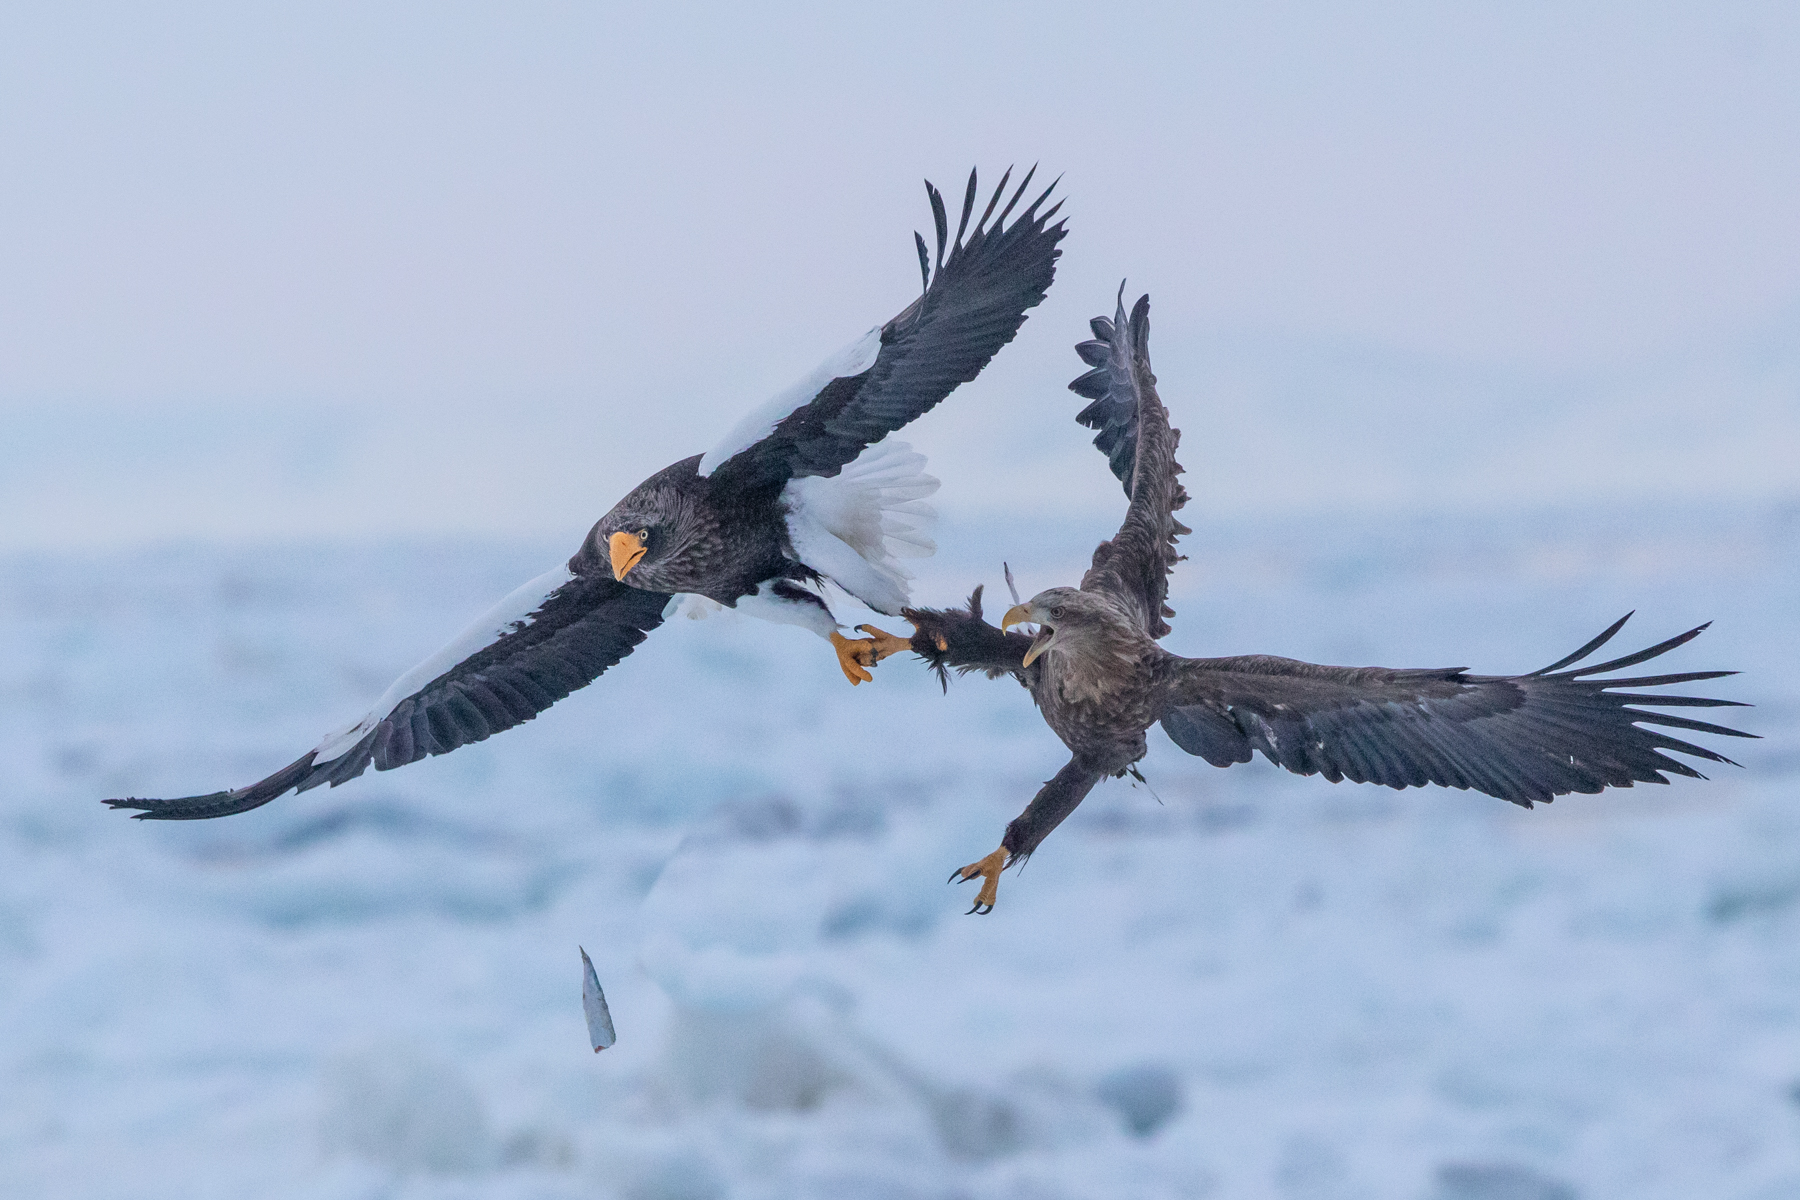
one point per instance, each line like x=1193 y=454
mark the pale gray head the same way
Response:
x=1064 y=615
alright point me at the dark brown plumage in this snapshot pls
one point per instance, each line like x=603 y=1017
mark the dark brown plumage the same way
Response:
x=1101 y=680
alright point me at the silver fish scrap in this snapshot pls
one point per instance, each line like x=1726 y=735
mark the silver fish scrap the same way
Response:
x=593 y=1004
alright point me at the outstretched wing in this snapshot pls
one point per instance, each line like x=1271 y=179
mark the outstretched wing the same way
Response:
x=1139 y=444
x=557 y=633
x=1523 y=738
x=972 y=305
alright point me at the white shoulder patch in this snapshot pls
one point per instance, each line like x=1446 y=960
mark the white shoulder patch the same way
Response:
x=760 y=421
x=487 y=629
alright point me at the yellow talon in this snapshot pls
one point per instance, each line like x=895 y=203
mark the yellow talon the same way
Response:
x=989 y=869
x=886 y=644
x=856 y=655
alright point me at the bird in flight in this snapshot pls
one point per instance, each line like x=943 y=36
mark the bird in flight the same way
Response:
x=801 y=492
x=1098 y=675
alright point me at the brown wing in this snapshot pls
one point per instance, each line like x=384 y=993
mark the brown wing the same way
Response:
x=1137 y=440
x=1523 y=738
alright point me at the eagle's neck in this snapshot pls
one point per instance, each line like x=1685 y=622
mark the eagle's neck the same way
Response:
x=1098 y=661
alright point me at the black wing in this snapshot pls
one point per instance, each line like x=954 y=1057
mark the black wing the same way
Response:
x=972 y=305
x=1522 y=738
x=527 y=659
x=1139 y=443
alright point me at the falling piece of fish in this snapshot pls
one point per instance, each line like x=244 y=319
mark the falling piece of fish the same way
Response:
x=593 y=1003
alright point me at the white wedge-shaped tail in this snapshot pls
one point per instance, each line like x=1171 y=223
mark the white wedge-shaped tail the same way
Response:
x=855 y=527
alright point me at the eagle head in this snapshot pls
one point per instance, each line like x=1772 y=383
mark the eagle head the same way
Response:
x=655 y=537
x=1063 y=615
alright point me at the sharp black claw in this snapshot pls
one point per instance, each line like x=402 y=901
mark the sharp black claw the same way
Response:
x=981 y=909
x=957 y=876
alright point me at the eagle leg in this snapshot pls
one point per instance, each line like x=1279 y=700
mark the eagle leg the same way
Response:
x=857 y=655
x=886 y=644
x=989 y=869
x=1054 y=801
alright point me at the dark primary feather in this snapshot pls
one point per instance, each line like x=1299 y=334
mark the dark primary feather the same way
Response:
x=584 y=627
x=1524 y=738
x=1139 y=443
x=973 y=304
x=1114 y=409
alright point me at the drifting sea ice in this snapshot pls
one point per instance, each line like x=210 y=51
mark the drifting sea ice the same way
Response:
x=1260 y=986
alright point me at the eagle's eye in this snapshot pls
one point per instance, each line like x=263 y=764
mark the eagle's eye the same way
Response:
x=643 y=535
x=1057 y=612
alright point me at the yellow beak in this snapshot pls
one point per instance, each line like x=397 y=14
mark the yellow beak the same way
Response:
x=625 y=550
x=1019 y=615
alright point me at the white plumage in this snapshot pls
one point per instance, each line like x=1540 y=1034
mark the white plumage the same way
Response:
x=855 y=527
x=760 y=421
x=484 y=631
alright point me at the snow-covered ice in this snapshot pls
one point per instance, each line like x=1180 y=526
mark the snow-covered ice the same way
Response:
x=1256 y=985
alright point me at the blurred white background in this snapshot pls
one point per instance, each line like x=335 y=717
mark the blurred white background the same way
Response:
x=322 y=327
x=357 y=269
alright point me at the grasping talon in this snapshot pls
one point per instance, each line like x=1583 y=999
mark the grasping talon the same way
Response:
x=857 y=655
x=886 y=644
x=989 y=869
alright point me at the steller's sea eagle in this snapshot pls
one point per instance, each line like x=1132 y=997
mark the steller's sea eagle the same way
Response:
x=801 y=491
x=1101 y=680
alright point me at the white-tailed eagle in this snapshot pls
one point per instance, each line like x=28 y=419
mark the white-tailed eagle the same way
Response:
x=1101 y=680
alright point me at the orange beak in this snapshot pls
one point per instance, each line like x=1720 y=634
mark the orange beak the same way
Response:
x=625 y=549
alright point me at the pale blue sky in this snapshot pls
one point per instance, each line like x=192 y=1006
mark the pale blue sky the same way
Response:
x=375 y=269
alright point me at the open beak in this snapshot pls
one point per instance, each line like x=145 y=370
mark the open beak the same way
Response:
x=1018 y=614
x=625 y=550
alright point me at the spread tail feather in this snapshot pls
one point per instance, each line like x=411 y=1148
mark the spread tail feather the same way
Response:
x=855 y=527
